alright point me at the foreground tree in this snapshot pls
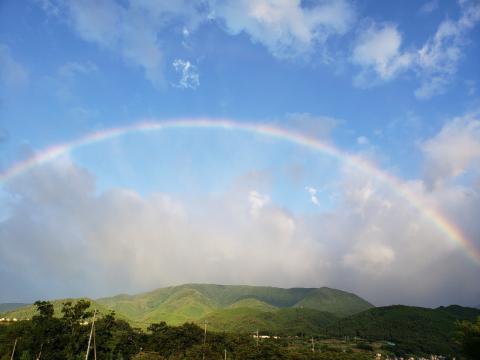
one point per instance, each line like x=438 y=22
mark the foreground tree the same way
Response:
x=469 y=338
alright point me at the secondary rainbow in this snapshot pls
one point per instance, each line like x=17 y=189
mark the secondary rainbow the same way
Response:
x=361 y=164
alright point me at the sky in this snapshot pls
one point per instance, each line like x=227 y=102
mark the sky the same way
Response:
x=390 y=91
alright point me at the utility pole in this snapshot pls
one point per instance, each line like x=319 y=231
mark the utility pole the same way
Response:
x=204 y=340
x=94 y=344
x=13 y=351
x=91 y=333
x=225 y=354
x=40 y=353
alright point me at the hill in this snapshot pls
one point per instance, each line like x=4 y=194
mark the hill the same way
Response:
x=192 y=302
x=4 y=307
x=411 y=329
x=195 y=302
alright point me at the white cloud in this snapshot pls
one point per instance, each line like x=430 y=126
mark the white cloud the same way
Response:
x=429 y=6
x=189 y=74
x=257 y=201
x=71 y=69
x=363 y=140
x=313 y=195
x=133 y=29
x=438 y=58
x=378 y=51
x=453 y=150
x=285 y=28
x=13 y=75
x=129 y=29
x=370 y=257
x=379 y=48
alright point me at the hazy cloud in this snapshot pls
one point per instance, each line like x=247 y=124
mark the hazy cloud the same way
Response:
x=453 y=150
x=13 y=75
x=363 y=140
x=69 y=70
x=429 y=7
x=84 y=242
x=317 y=126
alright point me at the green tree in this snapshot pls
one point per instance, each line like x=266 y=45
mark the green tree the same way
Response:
x=469 y=338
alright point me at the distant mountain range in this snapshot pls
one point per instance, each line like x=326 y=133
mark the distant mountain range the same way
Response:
x=4 y=307
x=271 y=310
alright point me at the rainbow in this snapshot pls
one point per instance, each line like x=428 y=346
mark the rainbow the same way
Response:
x=361 y=164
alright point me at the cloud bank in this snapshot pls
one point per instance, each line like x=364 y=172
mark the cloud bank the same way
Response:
x=62 y=237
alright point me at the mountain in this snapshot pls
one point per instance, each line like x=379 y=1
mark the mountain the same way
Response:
x=224 y=305
x=192 y=302
x=411 y=329
x=4 y=307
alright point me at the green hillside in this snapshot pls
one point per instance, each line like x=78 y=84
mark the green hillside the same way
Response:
x=252 y=304
x=277 y=322
x=334 y=301
x=412 y=329
x=265 y=307
x=192 y=302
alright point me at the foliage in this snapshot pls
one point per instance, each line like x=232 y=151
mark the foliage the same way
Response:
x=66 y=337
x=468 y=335
x=409 y=330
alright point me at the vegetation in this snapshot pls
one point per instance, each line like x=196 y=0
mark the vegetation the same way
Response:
x=66 y=337
x=196 y=302
x=233 y=313
x=406 y=329
x=468 y=336
x=289 y=321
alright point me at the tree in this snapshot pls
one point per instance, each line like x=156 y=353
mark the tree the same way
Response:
x=469 y=338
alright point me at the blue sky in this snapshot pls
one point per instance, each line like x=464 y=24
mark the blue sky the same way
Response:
x=394 y=82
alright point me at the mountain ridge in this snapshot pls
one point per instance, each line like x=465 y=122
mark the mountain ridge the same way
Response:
x=192 y=302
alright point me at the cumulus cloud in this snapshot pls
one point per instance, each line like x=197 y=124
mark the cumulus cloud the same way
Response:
x=453 y=150
x=82 y=241
x=381 y=55
x=133 y=29
x=257 y=201
x=379 y=48
x=438 y=58
x=13 y=75
x=189 y=78
x=286 y=28
x=130 y=29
